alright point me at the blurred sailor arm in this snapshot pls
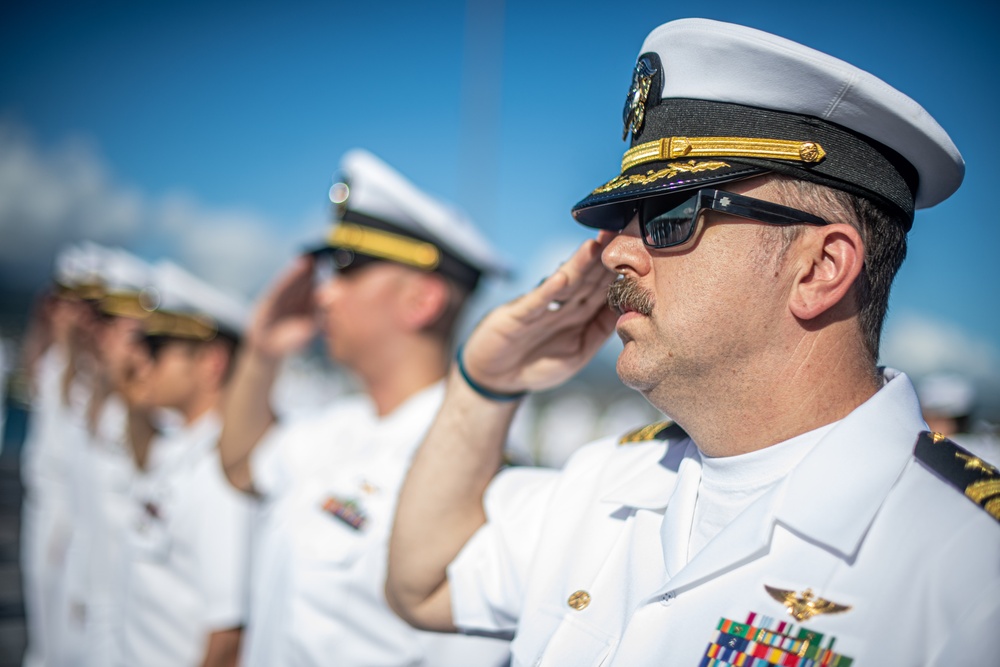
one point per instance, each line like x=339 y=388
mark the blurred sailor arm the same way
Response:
x=528 y=344
x=223 y=648
x=223 y=535
x=283 y=323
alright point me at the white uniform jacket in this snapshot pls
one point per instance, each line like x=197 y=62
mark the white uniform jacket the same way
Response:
x=103 y=471
x=186 y=568
x=885 y=562
x=329 y=486
x=55 y=432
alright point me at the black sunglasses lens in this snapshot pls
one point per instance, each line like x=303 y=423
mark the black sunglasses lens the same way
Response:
x=154 y=345
x=667 y=221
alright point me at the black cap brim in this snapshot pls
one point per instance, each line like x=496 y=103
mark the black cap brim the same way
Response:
x=612 y=205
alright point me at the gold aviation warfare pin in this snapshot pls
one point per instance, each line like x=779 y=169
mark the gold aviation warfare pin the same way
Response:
x=803 y=606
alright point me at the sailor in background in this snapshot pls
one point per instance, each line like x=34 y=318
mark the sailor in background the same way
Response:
x=186 y=566
x=102 y=466
x=392 y=278
x=948 y=402
x=797 y=513
x=58 y=362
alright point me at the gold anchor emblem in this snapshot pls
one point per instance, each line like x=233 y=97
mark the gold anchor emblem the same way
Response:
x=805 y=605
x=634 y=113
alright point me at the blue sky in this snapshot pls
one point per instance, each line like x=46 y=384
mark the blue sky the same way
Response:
x=209 y=131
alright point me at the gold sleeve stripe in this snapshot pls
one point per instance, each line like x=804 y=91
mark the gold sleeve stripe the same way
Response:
x=385 y=245
x=675 y=148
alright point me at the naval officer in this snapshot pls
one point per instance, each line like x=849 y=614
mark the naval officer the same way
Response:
x=393 y=275
x=186 y=564
x=797 y=512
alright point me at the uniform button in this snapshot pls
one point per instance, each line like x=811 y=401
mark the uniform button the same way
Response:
x=579 y=600
x=667 y=597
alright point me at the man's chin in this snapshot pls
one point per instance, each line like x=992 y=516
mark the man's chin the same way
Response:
x=630 y=371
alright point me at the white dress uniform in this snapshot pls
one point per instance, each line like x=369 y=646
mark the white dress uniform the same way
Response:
x=329 y=487
x=46 y=515
x=103 y=474
x=882 y=560
x=186 y=568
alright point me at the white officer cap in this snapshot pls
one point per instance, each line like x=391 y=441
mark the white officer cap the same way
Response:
x=946 y=394
x=77 y=271
x=184 y=306
x=125 y=279
x=381 y=215
x=712 y=102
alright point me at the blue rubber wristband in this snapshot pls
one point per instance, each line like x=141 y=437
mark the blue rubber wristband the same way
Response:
x=480 y=389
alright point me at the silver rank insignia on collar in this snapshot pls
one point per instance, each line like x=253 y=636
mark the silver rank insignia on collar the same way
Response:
x=634 y=112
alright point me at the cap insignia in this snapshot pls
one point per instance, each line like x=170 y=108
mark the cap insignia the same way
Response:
x=339 y=193
x=803 y=606
x=634 y=113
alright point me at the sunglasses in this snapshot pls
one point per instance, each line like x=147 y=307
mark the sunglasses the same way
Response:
x=337 y=261
x=672 y=220
x=156 y=344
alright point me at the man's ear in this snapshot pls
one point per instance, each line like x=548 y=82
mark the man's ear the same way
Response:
x=215 y=356
x=425 y=299
x=830 y=259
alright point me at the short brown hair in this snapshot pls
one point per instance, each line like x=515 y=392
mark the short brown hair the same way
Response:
x=882 y=232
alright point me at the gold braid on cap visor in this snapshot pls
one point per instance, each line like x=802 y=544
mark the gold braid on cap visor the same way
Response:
x=179 y=325
x=82 y=291
x=158 y=322
x=674 y=148
x=124 y=304
x=385 y=245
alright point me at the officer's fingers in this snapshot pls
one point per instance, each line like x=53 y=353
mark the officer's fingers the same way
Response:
x=573 y=284
x=293 y=281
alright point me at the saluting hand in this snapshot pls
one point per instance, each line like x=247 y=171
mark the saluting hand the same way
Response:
x=284 y=320
x=544 y=337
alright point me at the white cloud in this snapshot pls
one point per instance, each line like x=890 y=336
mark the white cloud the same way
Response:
x=50 y=197
x=921 y=344
x=53 y=196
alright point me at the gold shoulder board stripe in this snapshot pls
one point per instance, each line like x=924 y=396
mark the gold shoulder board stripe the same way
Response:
x=655 y=431
x=974 y=477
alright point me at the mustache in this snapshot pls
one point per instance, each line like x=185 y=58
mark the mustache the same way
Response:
x=625 y=294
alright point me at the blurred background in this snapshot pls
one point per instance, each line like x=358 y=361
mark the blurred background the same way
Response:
x=208 y=132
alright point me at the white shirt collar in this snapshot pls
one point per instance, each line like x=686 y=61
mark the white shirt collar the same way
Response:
x=862 y=456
